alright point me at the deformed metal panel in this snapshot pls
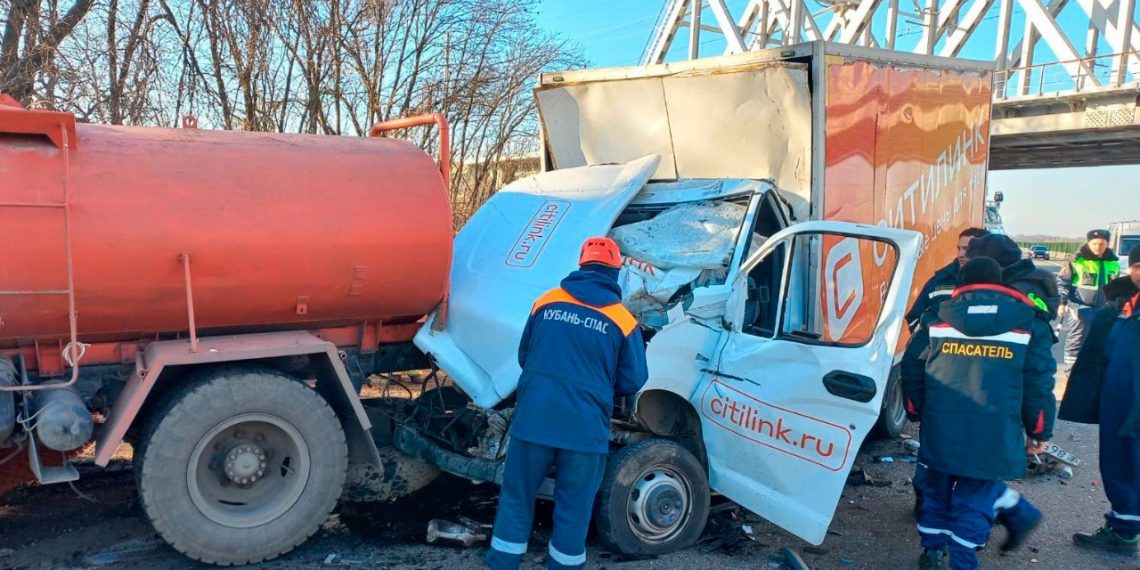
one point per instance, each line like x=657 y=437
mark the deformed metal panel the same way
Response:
x=580 y=120
x=751 y=121
x=750 y=125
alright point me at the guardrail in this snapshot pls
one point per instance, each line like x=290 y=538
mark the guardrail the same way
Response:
x=1101 y=72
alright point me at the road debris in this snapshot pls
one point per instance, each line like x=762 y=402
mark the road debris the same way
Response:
x=730 y=529
x=815 y=550
x=129 y=551
x=338 y=560
x=793 y=560
x=892 y=459
x=862 y=477
x=466 y=532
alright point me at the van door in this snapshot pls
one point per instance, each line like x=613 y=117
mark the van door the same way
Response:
x=791 y=395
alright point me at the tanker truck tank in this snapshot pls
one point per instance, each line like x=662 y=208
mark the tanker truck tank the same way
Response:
x=282 y=231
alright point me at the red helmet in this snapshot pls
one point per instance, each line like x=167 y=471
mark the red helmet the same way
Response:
x=601 y=250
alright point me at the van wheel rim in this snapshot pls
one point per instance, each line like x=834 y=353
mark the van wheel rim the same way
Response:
x=660 y=504
x=248 y=470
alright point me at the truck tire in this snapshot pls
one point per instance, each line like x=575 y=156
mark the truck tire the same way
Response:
x=892 y=418
x=241 y=466
x=654 y=499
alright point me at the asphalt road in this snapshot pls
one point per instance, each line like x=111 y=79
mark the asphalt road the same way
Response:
x=52 y=527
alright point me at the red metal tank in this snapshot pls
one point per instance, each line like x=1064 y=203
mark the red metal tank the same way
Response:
x=282 y=231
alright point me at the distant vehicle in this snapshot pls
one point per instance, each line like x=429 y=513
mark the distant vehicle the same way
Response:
x=993 y=221
x=1125 y=236
x=1039 y=252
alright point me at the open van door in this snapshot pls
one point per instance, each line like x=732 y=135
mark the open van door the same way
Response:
x=791 y=395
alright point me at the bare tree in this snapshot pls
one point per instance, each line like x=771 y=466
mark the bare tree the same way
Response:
x=32 y=35
x=331 y=67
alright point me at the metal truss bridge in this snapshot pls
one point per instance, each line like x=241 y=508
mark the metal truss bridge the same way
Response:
x=1067 y=72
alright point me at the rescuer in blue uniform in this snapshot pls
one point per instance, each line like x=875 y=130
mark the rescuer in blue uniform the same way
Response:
x=1104 y=388
x=982 y=382
x=580 y=349
x=936 y=290
x=1016 y=273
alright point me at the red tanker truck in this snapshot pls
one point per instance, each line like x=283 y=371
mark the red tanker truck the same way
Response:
x=218 y=299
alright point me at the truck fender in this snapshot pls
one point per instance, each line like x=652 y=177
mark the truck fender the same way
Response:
x=333 y=383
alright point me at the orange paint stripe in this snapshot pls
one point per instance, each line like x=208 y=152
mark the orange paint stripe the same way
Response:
x=616 y=312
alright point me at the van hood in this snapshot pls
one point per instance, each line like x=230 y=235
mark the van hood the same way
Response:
x=517 y=246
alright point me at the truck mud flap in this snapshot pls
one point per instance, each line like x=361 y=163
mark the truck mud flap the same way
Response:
x=408 y=440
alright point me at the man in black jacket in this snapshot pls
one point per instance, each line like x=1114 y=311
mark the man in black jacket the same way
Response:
x=982 y=382
x=1104 y=388
x=1019 y=273
x=940 y=285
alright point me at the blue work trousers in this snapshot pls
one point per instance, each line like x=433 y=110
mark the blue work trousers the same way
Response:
x=1119 y=456
x=577 y=476
x=958 y=513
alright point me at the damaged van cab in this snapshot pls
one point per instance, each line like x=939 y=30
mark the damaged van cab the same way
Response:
x=772 y=208
x=766 y=355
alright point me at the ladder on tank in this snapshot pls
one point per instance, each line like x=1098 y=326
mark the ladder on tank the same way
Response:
x=59 y=128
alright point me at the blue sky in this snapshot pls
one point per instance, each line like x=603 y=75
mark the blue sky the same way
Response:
x=1065 y=202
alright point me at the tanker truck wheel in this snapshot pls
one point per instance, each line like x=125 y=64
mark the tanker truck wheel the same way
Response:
x=241 y=466
x=654 y=499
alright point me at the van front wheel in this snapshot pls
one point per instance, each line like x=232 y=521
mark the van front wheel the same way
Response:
x=654 y=499
x=892 y=418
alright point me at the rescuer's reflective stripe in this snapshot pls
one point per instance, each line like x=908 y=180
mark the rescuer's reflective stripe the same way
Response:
x=946 y=331
x=508 y=547
x=616 y=312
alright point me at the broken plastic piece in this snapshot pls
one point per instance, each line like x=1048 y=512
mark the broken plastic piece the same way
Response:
x=466 y=534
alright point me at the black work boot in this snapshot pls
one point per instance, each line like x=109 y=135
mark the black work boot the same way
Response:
x=1019 y=523
x=933 y=560
x=1107 y=540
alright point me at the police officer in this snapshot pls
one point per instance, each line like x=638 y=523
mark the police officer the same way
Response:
x=982 y=382
x=1104 y=388
x=943 y=282
x=579 y=350
x=1081 y=282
